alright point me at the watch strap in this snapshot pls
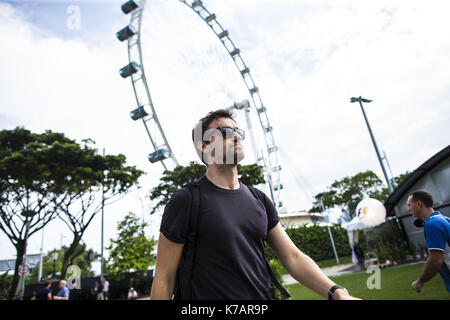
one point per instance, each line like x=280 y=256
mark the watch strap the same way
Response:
x=332 y=290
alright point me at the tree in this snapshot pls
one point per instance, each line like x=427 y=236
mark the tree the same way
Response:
x=132 y=250
x=33 y=178
x=349 y=191
x=47 y=175
x=103 y=179
x=83 y=259
x=172 y=180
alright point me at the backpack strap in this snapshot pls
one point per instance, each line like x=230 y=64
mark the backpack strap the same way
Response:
x=272 y=276
x=189 y=248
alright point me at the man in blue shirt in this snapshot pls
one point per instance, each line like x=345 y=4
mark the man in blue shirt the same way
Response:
x=437 y=237
x=63 y=293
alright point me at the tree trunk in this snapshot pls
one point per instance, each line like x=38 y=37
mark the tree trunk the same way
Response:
x=68 y=255
x=20 y=250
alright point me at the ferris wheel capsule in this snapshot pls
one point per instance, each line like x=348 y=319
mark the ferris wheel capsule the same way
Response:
x=129 y=69
x=129 y=6
x=138 y=113
x=158 y=155
x=125 y=33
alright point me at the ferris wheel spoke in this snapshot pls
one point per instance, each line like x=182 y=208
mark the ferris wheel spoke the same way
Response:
x=162 y=152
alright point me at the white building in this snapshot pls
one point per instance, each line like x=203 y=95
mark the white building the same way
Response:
x=297 y=218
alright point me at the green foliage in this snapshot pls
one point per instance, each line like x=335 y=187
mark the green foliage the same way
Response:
x=46 y=174
x=315 y=242
x=5 y=283
x=131 y=250
x=251 y=175
x=387 y=241
x=347 y=192
x=83 y=259
x=278 y=271
x=173 y=180
x=180 y=176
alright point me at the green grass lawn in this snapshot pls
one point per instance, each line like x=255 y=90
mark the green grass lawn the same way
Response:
x=395 y=285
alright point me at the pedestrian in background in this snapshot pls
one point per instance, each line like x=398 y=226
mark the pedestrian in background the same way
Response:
x=132 y=294
x=45 y=293
x=105 y=288
x=98 y=290
x=63 y=293
x=437 y=237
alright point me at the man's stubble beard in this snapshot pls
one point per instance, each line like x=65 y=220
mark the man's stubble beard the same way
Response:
x=233 y=157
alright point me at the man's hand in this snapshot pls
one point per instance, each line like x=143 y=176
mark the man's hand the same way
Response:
x=301 y=267
x=340 y=294
x=417 y=286
x=431 y=268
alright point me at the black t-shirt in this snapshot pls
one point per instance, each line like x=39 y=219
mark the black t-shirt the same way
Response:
x=43 y=294
x=229 y=258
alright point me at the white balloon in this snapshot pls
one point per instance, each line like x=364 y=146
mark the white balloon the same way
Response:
x=371 y=212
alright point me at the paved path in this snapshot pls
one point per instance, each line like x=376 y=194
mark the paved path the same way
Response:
x=329 y=272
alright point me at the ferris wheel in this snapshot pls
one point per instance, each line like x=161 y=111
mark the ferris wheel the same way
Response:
x=267 y=157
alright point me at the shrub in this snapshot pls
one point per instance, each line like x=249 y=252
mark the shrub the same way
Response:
x=278 y=271
x=315 y=241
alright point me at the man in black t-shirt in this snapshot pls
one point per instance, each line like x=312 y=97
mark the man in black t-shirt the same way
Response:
x=229 y=258
x=45 y=293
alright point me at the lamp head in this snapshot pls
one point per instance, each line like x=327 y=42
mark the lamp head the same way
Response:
x=359 y=99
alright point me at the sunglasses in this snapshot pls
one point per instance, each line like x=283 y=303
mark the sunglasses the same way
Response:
x=227 y=132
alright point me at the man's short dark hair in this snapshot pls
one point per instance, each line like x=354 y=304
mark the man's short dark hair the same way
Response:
x=203 y=125
x=424 y=196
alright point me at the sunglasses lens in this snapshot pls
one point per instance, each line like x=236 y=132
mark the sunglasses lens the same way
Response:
x=241 y=133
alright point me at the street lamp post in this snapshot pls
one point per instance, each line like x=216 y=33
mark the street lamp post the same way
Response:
x=28 y=214
x=329 y=230
x=41 y=257
x=54 y=257
x=361 y=100
x=102 y=266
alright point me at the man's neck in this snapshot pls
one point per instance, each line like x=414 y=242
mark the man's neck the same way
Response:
x=427 y=213
x=224 y=176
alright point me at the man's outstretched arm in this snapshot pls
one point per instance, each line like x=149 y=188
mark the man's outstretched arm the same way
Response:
x=300 y=266
x=167 y=260
x=432 y=267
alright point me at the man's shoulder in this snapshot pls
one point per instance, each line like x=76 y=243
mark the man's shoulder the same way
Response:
x=185 y=190
x=439 y=220
x=260 y=194
x=257 y=192
x=182 y=193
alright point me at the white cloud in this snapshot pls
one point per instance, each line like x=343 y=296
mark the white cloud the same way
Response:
x=67 y=86
x=307 y=59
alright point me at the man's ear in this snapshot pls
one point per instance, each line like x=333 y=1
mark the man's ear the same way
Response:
x=201 y=145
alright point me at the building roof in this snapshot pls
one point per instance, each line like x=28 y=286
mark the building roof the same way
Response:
x=413 y=178
x=300 y=214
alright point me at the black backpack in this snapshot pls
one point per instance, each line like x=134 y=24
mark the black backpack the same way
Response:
x=183 y=289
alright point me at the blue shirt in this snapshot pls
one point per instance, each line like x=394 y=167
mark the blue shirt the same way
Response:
x=63 y=292
x=437 y=237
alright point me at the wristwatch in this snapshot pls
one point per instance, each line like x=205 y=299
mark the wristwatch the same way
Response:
x=333 y=289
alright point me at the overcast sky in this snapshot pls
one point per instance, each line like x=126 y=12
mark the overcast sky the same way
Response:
x=308 y=59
